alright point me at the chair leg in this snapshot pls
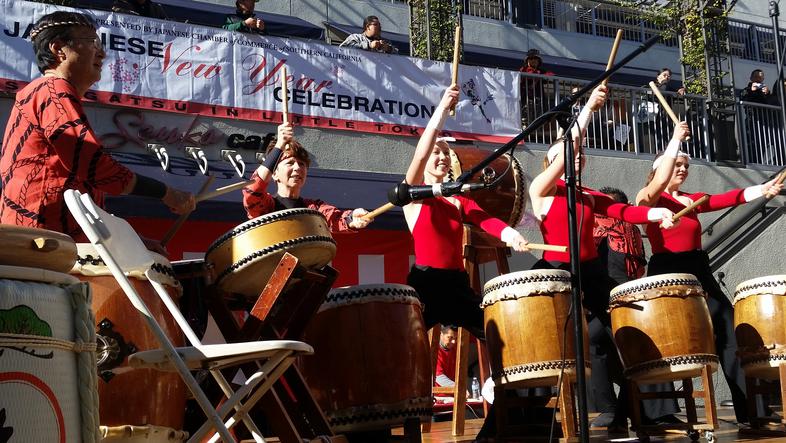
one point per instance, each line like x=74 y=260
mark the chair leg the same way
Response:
x=710 y=410
x=567 y=408
x=433 y=338
x=782 y=377
x=460 y=388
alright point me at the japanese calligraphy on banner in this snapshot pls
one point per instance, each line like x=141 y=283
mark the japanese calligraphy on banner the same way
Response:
x=191 y=69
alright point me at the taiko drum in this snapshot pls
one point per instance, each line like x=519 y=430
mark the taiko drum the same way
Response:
x=662 y=327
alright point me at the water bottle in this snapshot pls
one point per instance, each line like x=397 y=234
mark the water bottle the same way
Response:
x=475 y=388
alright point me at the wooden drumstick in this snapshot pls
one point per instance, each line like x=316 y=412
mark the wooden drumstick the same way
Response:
x=542 y=247
x=284 y=94
x=380 y=210
x=613 y=54
x=781 y=177
x=222 y=190
x=285 y=98
x=183 y=217
x=665 y=105
x=690 y=207
x=454 y=80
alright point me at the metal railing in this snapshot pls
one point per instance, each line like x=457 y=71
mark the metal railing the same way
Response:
x=598 y=18
x=631 y=121
x=761 y=134
x=493 y=9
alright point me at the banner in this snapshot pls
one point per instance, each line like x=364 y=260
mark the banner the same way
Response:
x=178 y=67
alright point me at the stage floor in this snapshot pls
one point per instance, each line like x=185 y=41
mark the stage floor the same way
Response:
x=728 y=432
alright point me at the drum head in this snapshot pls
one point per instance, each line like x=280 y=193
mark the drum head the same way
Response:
x=508 y=199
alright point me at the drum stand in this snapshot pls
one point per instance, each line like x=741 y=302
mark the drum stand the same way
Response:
x=291 y=297
x=689 y=395
x=762 y=425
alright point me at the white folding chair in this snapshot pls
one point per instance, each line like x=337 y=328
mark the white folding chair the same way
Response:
x=123 y=251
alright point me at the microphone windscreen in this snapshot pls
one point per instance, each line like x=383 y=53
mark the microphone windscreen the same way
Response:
x=399 y=194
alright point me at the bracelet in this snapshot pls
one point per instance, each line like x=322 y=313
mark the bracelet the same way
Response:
x=271 y=159
x=148 y=187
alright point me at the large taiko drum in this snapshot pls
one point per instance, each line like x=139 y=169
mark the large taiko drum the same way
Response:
x=48 y=374
x=760 y=325
x=662 y=327
x=36 y=248
x=508 y=199
x=525 y=314
x=132 y=396
x=244 y=258
x=370 y=369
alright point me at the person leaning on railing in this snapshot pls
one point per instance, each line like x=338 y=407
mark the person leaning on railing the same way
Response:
x=244 y=19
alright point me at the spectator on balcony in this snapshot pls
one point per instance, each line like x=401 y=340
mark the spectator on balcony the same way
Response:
x=532 y=88
x=244 y=19
x=370 y=39
x=654 y=122
x=143 y=8
x=756 y=91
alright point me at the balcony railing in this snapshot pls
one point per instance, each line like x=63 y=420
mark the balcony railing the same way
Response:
x=633 y=122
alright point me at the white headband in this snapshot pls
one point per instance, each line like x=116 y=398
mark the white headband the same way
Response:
x=445 y=139
x=658 y=160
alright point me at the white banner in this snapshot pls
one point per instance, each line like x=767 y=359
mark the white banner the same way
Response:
x=155 y=64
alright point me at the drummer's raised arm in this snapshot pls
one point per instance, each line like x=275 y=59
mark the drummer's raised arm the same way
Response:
x=285 y=134
x=429 y=136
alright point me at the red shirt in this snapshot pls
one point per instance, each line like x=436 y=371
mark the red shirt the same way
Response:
x=438 y=231
x=446 y=363
x=686 y=236
x=554 y=226
x=258 y=202
x=49 y=147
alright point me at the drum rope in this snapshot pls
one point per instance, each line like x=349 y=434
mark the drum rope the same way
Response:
x=37 y=341
x=85 y=330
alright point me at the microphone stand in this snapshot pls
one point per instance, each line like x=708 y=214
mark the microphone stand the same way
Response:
x=564 y=108
x=574 y=245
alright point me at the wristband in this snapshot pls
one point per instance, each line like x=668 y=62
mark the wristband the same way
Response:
x=655 y=214
x=508 y=234
x=437 y=119
x=148 y=187
x=753 y=192
x=271 y=159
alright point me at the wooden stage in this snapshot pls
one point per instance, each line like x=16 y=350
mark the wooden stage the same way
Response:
x=728 y=432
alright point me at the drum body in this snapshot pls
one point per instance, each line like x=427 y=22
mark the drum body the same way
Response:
x=508 y=199
x=244 y=258
x=48 y=376
x=36 y=248
x=132 y=396
x=662 y=327
x=525 y=314
x=760 y=325
x=370 y=369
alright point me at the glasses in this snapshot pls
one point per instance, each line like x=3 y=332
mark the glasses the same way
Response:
x=96 y=41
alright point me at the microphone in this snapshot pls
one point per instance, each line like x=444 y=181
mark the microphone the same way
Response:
x=403 y=194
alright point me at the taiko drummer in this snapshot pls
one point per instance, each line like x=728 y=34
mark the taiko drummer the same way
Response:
x=286 y=162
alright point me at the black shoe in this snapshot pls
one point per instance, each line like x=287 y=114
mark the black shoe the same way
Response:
x=668 y=419
x=603 y=420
